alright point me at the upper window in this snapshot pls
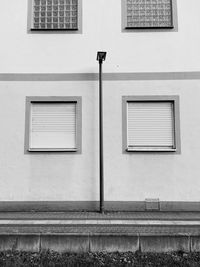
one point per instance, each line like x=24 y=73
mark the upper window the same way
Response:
x=149 y=14
x=53 y=124
x=151 y=123
x=55 y=15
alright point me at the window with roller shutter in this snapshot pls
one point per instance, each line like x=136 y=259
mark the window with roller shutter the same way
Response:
x=53 y=124
x=151 y=123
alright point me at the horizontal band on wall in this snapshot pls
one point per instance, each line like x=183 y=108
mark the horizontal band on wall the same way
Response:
x=94 y=76
x=22 y=206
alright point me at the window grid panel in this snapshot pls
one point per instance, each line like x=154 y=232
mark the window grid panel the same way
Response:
x=53 y=125
x=55 y=14
x=150 y=124
x=149 y=13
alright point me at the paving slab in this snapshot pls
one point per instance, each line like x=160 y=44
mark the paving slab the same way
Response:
x=111 y=231
x=112 y=243
x=63 y=243
x=153 y=215
x=92 y=231
x=101 y=229
x=164 y=243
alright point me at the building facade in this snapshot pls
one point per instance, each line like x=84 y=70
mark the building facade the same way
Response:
x=49 y=86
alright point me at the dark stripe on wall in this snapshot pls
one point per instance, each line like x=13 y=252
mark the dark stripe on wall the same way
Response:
x=94 y=76
x=61 y=206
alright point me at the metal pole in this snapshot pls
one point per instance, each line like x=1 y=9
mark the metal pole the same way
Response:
x=101 y=171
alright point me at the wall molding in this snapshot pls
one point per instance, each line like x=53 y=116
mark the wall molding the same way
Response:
x=61 y=206
x=120 y=76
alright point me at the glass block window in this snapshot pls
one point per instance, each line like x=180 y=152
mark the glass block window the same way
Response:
x=149 y=14
x=55 y=15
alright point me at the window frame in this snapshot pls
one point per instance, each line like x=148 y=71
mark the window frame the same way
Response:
x=54 y=99
x=176 y=121
x=173 y=28
x=31 y=30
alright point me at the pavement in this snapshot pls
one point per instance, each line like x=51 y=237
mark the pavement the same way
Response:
x=93 y=231
x=115 y=223
x=143 y=215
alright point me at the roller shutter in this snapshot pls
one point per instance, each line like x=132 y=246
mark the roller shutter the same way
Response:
x=150 y=124
x=53 y=125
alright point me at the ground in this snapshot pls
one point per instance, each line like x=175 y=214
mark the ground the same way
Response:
x=127 y=259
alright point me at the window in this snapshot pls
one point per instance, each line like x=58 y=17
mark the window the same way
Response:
x=151 y=123
x=53 y=124
x=55 y=15
x=149 y=14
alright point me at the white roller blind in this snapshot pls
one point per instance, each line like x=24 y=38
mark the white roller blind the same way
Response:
x=150 y=124
x=53 y=125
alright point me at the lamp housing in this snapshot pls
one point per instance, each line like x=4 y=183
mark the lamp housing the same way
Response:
x=101 y=56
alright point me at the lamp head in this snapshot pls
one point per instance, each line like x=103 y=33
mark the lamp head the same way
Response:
x=101 y=56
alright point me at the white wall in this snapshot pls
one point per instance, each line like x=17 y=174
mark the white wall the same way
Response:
x=131 y=177
x=127 y=52
x=52 y=176
x=46 y=176
x=168 y=176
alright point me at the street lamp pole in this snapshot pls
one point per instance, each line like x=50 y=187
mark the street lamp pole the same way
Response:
x=101 y=56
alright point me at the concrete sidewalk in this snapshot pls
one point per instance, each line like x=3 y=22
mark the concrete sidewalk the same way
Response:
x=92 y=231
x=143 y=215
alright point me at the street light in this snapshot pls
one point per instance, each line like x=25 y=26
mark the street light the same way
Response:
x=101 y=56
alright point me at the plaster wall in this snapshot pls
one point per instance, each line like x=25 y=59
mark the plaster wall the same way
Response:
x=46 y=176
x=25 y=52
x=128 y=177
x=168 y=176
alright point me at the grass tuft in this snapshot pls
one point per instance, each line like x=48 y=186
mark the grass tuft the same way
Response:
x=115 y=259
